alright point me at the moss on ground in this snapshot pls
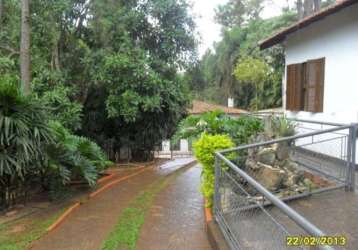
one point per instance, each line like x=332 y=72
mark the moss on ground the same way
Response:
x=18 y=235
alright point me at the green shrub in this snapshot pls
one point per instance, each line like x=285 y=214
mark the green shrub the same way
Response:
x=282 y=127
x=216 y=131
x=74 y=157
x=23 y=132
x=61 y=104
x=204 y=150
x=239 y=129
x=193 y=126
x=243 y=128
x=35 y=151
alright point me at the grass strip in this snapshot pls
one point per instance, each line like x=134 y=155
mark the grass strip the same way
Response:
x=127 y=229
x=29 y=231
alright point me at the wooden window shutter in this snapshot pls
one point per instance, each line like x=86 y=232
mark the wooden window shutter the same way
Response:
x=294 y=87
x=314 y=85
x=290 y=81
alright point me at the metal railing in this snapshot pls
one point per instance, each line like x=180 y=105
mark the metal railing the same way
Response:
x=252 y=212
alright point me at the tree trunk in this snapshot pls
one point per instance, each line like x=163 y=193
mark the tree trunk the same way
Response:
x=308 y=8
x=25 y=62
x=299 y=9
x=1 y=8
x=55 y=57
x=317 y=5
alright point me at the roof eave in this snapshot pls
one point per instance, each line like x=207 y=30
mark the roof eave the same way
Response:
x=281 y=35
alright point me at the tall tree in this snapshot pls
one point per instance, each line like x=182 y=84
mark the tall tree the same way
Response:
x=238 y=12
x=0 y=11
x=317 y=5
x=308 y=7
x=25 y=60
x=239 y=41
x=299 y=6
x=120 y=59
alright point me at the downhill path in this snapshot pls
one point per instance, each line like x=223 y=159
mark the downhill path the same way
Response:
x=87 y=227
x=176 y=219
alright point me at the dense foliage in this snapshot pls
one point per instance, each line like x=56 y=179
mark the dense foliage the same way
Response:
x=60 y=105
x=215 y=131
x=213 y=77
x=35 y=151
x=230 y=68
x=23 y=132
x=73 y=157
x=107 y=69
x=205 y=149
x=239 y=129
x=254 y=73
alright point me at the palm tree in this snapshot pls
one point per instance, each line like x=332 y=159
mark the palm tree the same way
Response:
x=23 y=132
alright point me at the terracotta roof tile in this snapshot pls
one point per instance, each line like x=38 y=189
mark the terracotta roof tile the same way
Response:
x=200 y=107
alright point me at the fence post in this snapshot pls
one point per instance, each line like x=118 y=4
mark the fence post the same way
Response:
x=349 y=158
x=216 y=187
x=353 y=156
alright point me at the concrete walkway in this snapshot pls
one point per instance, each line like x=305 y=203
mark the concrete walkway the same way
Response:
x=176 y=219
x=88 y=226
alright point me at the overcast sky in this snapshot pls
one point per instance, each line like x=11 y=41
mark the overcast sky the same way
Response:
x=210 y=31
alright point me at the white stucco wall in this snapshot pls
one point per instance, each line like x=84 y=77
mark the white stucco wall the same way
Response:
x=336 y=39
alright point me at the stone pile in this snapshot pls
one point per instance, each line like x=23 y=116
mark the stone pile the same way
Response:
x=272 y=167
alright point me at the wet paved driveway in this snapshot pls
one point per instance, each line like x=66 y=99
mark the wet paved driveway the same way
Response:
x=174 y=222
x=176 y=219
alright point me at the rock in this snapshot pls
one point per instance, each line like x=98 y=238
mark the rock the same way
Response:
x=292 y=180
x=268 y=126
x=261 y=137
x=284 y=193
x=252 y=164
x=300 y=174
x=270 y=177
x=257 y=199
x=281 y=164
x=266 y=156
x=251 y=152
x=282 y=151
x=290 y=165
x=301 y=189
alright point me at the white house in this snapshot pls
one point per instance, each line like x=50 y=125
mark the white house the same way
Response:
x=321 y=78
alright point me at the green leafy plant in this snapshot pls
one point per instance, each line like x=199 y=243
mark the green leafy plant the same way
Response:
x=204 y=150
x=254 y=72
x=23 y=132
x=74 y=157
x=59 y=98
x=213 y=131
x=242 y=128
x=216 y=122
x=193 y=126
x=63 y=109
x=283 y=127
